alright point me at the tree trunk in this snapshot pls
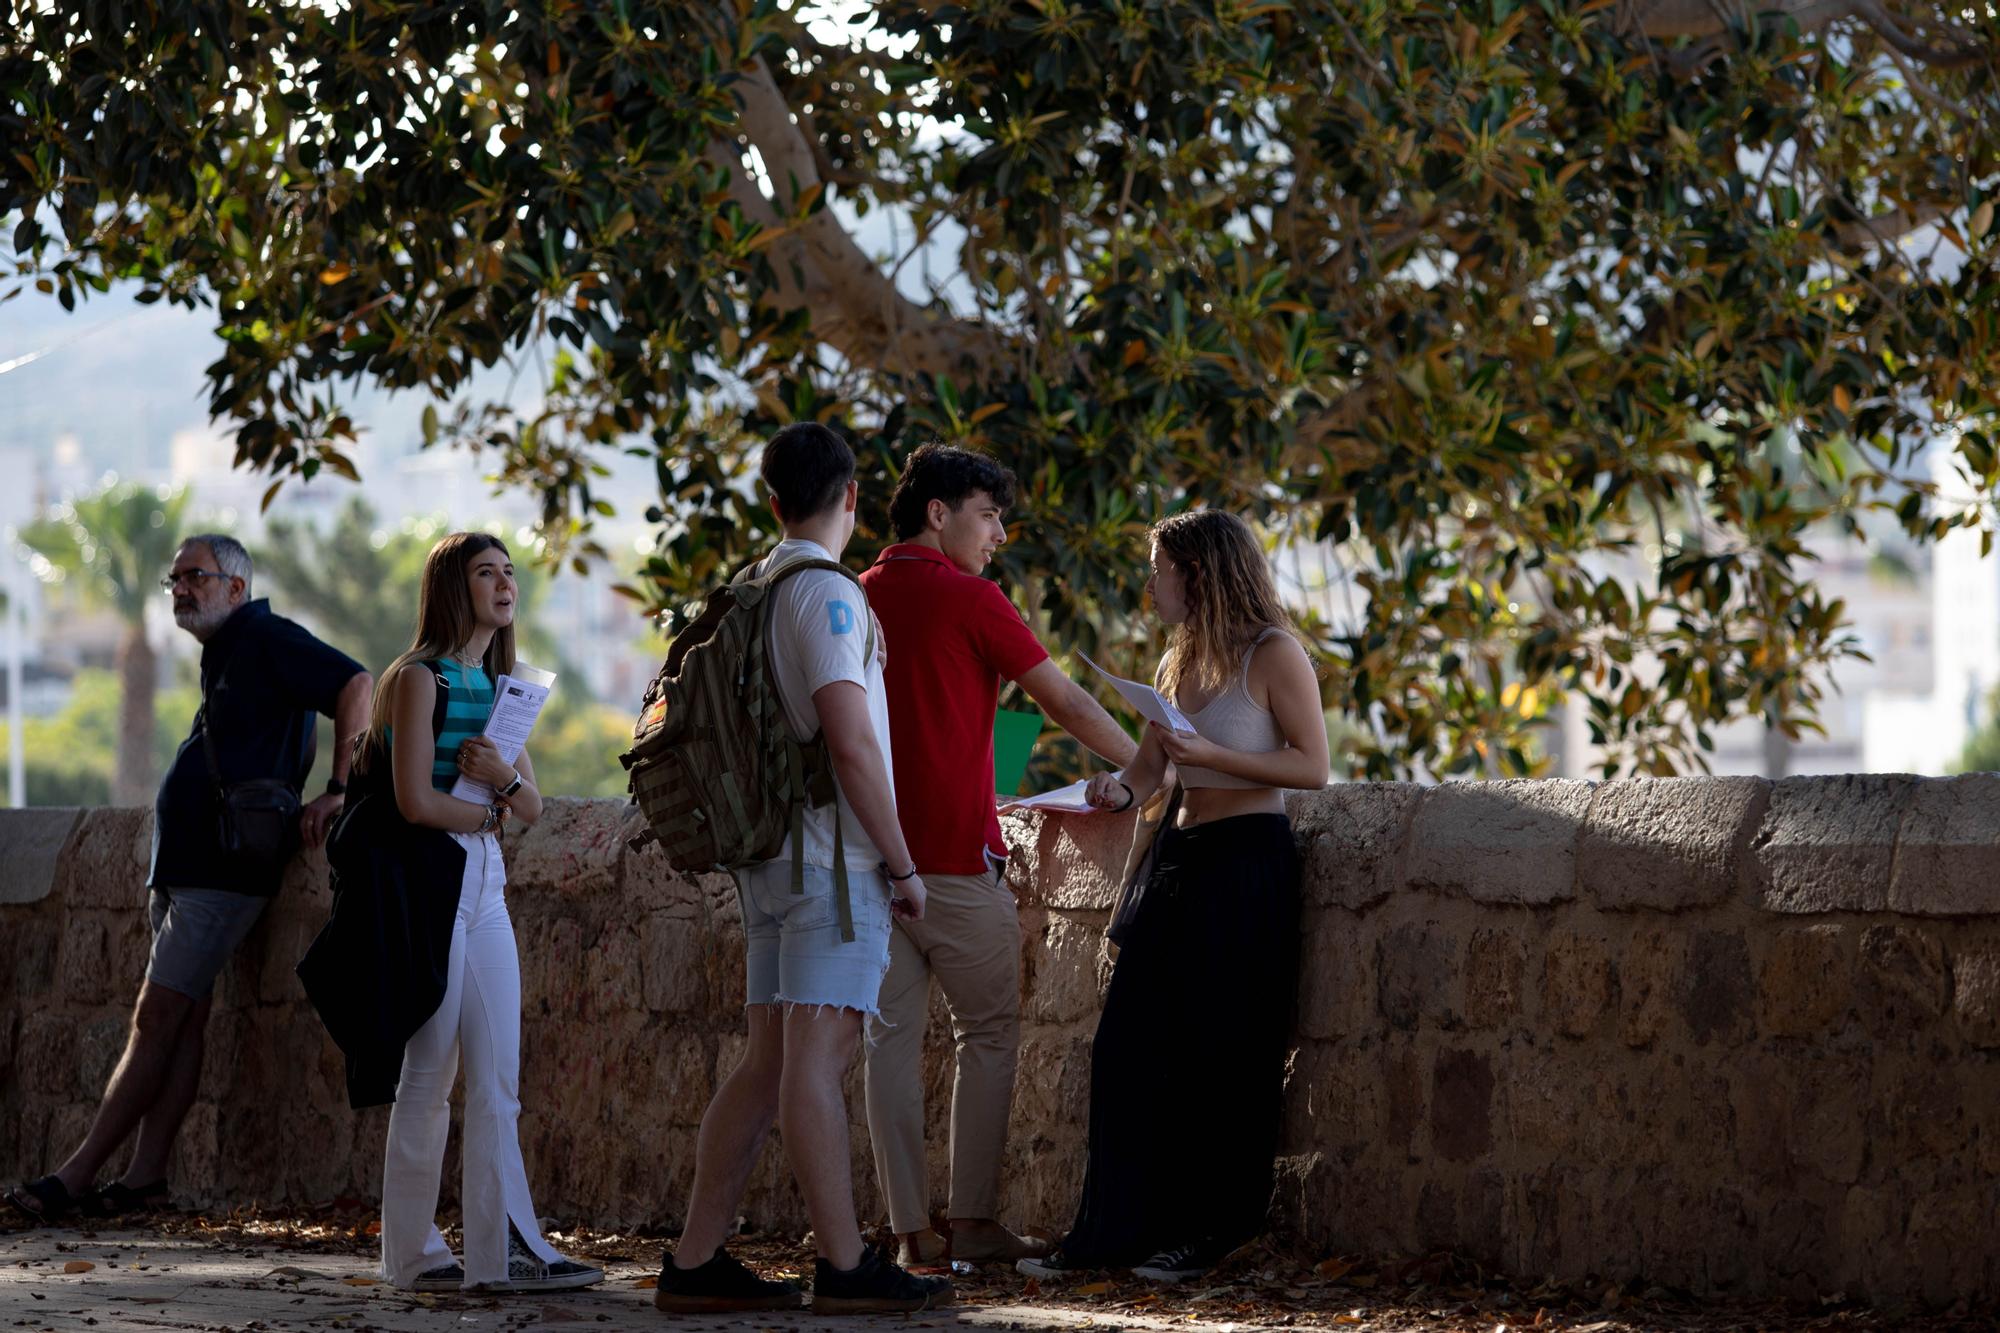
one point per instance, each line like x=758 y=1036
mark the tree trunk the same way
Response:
x=138 y=672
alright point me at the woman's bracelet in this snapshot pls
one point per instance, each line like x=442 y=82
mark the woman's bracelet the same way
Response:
x=1130 y=797
x=488 y=824
x=883 y=866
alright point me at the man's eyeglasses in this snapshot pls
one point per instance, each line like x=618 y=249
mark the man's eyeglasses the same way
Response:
x=190 y=576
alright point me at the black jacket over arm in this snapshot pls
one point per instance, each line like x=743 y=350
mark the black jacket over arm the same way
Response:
x=376 y=971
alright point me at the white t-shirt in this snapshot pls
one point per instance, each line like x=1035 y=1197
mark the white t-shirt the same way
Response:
x=820 y=633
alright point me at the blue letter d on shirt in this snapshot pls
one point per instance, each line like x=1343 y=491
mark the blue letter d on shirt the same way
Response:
x=840 y=617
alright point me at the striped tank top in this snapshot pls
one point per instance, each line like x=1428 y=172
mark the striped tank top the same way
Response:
x=467 y=707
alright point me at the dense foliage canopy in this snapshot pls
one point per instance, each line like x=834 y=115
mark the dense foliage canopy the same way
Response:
x=1563 y=323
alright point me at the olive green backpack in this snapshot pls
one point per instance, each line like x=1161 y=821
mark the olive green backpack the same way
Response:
x=715 y=769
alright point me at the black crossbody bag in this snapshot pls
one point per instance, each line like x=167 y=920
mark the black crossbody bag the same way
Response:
x=257 y=821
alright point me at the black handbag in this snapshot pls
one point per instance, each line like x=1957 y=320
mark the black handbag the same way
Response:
x=257 y=821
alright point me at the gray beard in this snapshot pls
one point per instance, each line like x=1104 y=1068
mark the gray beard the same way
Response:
x=201 y=623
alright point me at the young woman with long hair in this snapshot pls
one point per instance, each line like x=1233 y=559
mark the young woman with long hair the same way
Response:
x=1178 y=1175
x=464 y=643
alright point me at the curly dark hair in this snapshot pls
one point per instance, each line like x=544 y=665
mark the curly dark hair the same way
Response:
x=944 y=472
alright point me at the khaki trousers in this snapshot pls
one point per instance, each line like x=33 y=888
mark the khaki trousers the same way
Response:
x=970 y=940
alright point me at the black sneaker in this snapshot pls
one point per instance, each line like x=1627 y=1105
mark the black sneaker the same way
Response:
x=719 y=1286
x=874 y=1285
x=1183 y=1264
x=1051 y=1265
x=527 y=1273
x=445 y=1277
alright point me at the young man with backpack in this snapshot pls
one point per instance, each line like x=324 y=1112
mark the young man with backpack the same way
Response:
x=816 y=914
x=953 y=638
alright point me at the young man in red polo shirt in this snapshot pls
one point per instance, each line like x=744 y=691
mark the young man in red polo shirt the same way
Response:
x=953 y=637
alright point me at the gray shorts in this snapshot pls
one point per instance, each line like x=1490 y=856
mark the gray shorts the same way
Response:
x=793 y=952
x=194 y=932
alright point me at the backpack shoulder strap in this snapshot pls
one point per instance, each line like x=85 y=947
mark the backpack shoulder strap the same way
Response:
x=443 y=700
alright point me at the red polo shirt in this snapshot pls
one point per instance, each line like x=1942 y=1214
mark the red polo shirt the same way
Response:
x=952 y=637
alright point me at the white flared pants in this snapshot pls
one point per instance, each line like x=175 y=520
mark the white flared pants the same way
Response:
x=481 y=1014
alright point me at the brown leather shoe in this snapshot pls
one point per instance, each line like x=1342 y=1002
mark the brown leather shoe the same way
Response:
x=995 y=1244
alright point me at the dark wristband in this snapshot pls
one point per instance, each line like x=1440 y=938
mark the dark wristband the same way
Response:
x=1130 y=797
x=335 y=787
x=883 y=866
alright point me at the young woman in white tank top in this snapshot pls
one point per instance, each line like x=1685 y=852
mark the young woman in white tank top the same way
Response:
x=1206 y=971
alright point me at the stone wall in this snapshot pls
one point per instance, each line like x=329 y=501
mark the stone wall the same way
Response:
x=1720 y=1033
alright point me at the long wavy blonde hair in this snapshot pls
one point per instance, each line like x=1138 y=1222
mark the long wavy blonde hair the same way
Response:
x=445 y=622
x=1231 y=598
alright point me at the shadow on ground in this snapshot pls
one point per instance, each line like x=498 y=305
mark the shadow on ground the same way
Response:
x=315 y=1269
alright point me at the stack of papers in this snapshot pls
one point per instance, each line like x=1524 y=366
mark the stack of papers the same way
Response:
x=517 y=701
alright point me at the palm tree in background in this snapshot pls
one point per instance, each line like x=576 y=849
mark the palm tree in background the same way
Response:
x=114 y=545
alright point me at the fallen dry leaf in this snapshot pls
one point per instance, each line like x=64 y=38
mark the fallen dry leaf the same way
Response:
x=361 y=1281
x=291 y=1274
x=1334 y=1268
x=1032 y=1287
x=1092 y=1289
x=78 y=1266
x=648 y=1282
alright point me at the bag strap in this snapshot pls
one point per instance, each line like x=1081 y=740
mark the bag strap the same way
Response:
x=767 y=582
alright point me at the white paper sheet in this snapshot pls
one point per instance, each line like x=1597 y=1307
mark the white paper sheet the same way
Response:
x=1148 y=702
x=1063 y=798
x=517 y=702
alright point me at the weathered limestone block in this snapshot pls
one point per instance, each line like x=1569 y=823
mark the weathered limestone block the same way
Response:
x=1352 y=835
x=1336 y=975
x=1716 y=994
x=1826 y=843
x=1418 y=979
x=1650 y=978
x=672 y=948
x=29 y=959
x=576 y=848
x=34 y=845
x=1335 y=1101
x=1499 y=842
x=1918 y=1115
x=650 y=884
x=1948 y=851
x=1976 y=982
x=86 y=963
x=105 y=858
x=47 y=1060
x=1052 y=1085
x=612 y=972
x=1067 y=970
x=99 y=1043
x=1496 y=963
x=1462 y=1105
x=1668 y=843
x=1576 y=981
x=1904 y=982
x=1806 y=981
x=1067 y=861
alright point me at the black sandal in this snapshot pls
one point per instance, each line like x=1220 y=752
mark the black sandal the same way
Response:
x=44 y=1201
x=118 y=1198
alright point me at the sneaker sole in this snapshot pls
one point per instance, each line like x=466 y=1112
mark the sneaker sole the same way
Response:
x=570 y=1283
x=1169 y=1276
x=878 y=1304
x=669 y=1303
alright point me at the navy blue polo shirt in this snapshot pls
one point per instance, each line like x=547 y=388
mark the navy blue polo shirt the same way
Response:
x=264 y=677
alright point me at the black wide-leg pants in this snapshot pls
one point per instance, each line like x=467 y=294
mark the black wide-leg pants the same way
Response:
x=1187 y=1070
